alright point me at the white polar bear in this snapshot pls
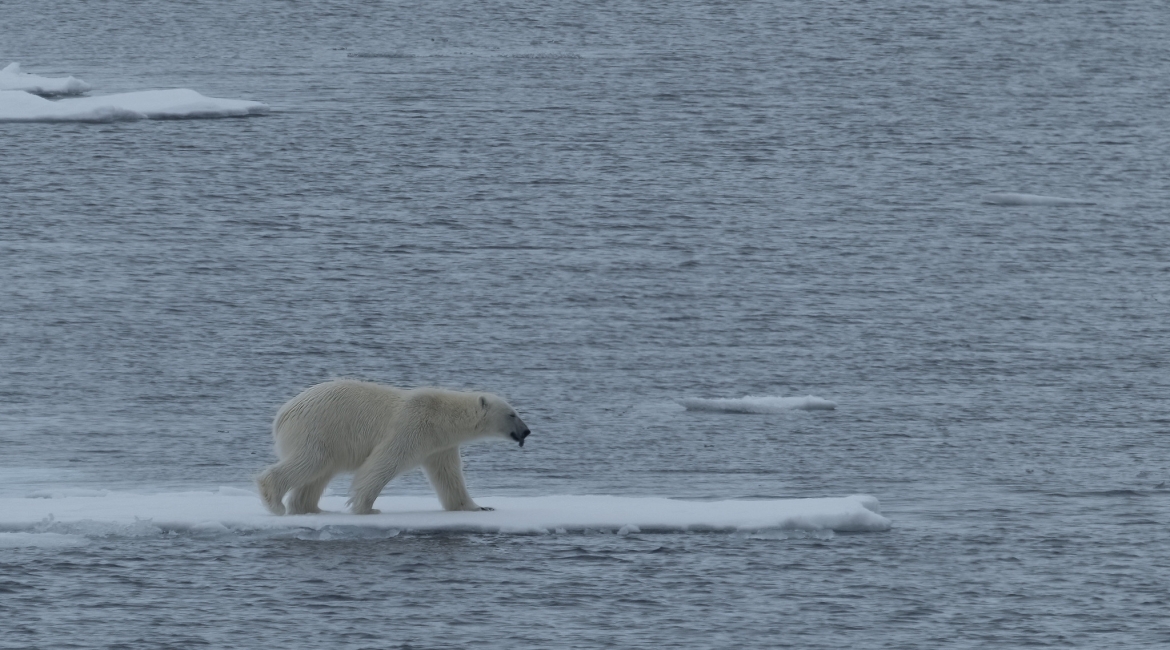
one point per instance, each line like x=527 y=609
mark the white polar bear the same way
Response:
x=378 y=432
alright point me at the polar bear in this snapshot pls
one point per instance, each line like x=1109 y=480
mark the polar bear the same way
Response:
x=378 y=432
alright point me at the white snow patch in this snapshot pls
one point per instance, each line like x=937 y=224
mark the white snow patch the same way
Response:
x=1011 y=198
x=217 y=513
x=42 y=540
x=176 y=103
x=758 y=404
x=11 y=78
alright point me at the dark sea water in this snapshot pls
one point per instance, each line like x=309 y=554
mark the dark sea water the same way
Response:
x=597 y=210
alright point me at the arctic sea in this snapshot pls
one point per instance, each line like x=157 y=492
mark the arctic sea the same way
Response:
x=711 y=252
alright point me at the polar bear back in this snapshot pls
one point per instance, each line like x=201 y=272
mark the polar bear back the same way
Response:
x=344 y=420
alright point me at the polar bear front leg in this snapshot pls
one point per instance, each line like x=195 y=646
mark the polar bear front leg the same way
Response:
x=445 y=470
x=380 y=468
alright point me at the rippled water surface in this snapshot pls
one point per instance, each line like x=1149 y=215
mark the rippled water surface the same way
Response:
x=600 y=210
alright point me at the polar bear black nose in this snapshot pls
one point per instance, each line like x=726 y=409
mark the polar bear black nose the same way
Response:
x=519 y=436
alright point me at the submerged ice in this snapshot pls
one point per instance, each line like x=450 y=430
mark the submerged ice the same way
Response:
x=1012 y=198
x=12 y=78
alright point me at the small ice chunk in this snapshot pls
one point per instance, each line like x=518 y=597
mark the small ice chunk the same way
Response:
x=758 y=404
x=1011 y=198
x=11 y=78
x=176 y=103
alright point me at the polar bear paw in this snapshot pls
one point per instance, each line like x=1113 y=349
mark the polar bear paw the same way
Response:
x=359 y=508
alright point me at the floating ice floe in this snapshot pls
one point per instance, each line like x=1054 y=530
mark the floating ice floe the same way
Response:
x=761 y=404
x=41 y=540
x=1010 y=198
x=11 y=78
x=176 y=103
x=229 y=512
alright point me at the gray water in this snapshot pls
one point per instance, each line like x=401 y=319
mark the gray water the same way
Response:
x=598 y=210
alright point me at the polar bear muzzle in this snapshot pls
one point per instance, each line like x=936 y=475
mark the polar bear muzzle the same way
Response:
x=520 y=430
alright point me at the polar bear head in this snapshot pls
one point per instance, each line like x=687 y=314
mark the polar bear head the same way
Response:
x=498 y=418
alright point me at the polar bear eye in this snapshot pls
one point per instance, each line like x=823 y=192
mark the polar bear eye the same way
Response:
x=512 y=415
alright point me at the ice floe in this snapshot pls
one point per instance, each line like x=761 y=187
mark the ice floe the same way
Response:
x=1011 y=198
x=758 y=404
x=234 y=511
x=175 y=103
x=12 y=78
x=41 y=540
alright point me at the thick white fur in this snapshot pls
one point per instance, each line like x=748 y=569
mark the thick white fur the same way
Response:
x=378 y=432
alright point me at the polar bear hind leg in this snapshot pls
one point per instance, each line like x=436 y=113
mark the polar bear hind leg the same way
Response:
x=295 y=472
x=305 y=498
x=445 y=470
x=273 y=484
